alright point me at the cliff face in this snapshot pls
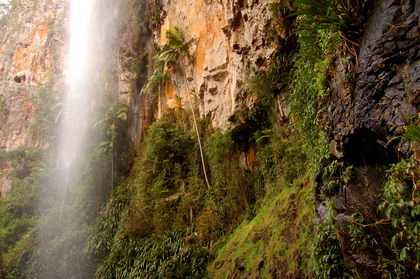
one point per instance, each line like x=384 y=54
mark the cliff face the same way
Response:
x=32 y=52
x=31 y=56
x=363 y=119
x=371 y=98
x=32 y=44
x=230 y=43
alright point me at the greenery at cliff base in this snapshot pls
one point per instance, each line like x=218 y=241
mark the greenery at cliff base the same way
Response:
x=159 y=219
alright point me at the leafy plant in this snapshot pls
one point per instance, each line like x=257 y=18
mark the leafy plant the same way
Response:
x=329 y=261
x=328 y=258
x=18 y=209
x=166 y=256
x=412 y=133
x=337 y=174
x=346 y=17
x=308 y=89
x=176 y=50
x=116 y=125
x=402 y=204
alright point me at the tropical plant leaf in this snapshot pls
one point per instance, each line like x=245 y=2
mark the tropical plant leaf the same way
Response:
x=412 y=133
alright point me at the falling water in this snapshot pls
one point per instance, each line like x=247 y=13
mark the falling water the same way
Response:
x=77 y=183
x=61 y=233
x=77 y=100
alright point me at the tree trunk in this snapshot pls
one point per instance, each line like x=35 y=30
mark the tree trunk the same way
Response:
x=196 y=127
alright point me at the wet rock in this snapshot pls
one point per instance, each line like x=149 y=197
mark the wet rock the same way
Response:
x=363 y=118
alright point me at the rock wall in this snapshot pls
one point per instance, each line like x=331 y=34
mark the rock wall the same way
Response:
x=31 y=56
x=230 y=45
x=385 y=96
x=364 y=116
x=32 y=51
x=31 y=44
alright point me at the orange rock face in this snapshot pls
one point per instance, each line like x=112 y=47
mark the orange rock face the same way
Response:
x=31 y=45
x=31 y=58
x=229 y=39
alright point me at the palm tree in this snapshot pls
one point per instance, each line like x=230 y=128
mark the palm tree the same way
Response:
x=176 y=49
x=115 y=121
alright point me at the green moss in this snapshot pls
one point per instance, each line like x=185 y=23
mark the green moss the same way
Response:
x=277 y=242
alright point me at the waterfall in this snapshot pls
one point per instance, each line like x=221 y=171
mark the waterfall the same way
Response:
x=63 y=227
x=77 y=97
x=78 y=177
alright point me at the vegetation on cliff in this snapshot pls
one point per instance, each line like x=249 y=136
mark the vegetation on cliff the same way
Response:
x=194 y=201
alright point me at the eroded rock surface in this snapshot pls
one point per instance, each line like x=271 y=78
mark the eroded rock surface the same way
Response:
x=363 y=115
x=230 y=43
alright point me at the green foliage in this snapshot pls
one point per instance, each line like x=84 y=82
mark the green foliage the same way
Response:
x=167 y=146
x=263 y=86
x=173 y=183
x=31 y=203
x=412 y=133
x=165 y=256
x=362 y=239
x=328 y=259
x=58 y=239
x=233 y=189
x=251 y=121
x=359 y=233
x=308 y=89
x=220 y=153
x=23 y=161
x=282 y=157
x=322 y=25
x=402 y=205
x=338 y=176
x=131 y=236
x=172 y=54
x=100 y=241
x=278 y=247
x=176 y=47
x=131 y=233
x=18 y=208
x=309 y=85
x=115 y=124
x=346 y=17
x=163 y=205
x=44 y=127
